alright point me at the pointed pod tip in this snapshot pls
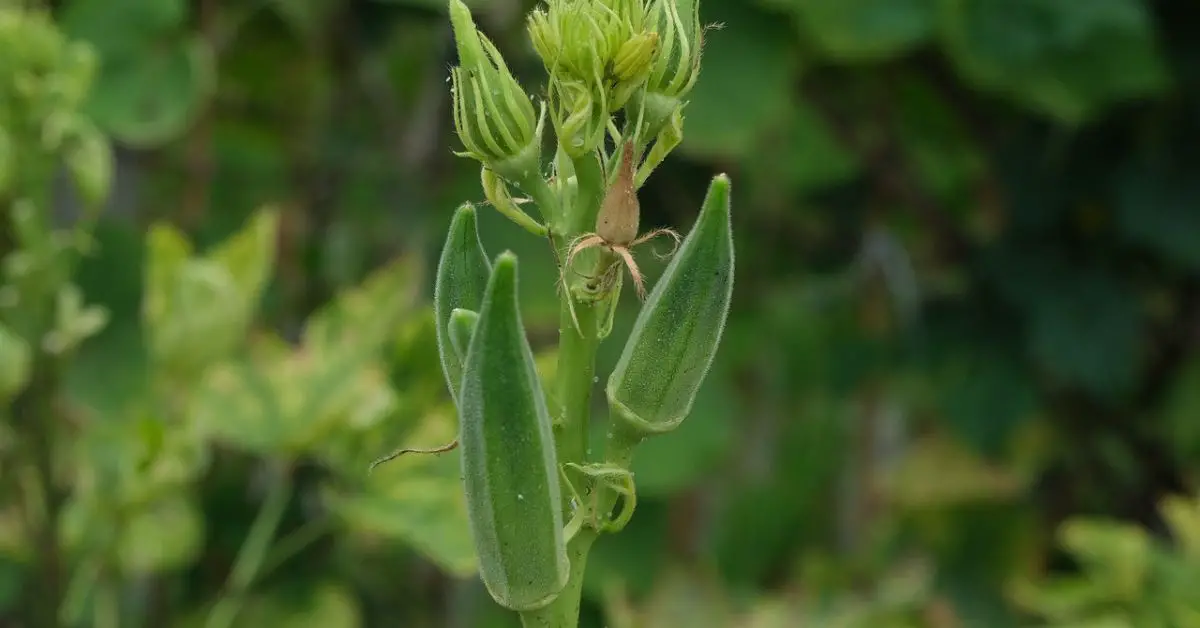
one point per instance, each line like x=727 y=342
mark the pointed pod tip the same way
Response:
x=717 y=199
x=506 y=258
x=463 y=216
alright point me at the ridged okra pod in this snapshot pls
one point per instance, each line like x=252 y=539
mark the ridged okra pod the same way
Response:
x=510 y=471
x=462 y=277
x=676 y=334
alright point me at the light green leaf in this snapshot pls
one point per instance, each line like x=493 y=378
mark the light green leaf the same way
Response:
x=361 y=319
x=15 y=360
x=166 y=535
x=327 y=605
x=416 y=498
x=249 y=254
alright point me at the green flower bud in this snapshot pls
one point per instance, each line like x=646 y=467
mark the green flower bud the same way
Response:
x=632 y=62
x=677 y=63
x=631 y=66
x=675 y=68
x=580 y=119
x=510 y=469
x=568 y=37
x=462 y=277
x=676 y=334
x=493 y=116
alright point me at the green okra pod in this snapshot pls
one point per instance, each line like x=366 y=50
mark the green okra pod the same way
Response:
x=676 y=334
x=462 y=277
x=510 y=470
x=461 y=327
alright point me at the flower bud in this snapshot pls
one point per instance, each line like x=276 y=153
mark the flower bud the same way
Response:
x=677 y=63
x=493 y=116
x=580 y=118
x=676 y=334
x=510 y=469
x=462 y=277
x=631 y=66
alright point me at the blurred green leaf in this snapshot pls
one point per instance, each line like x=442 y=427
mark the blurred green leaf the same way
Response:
x=167 y=535
x=1088 y=333
x=804 y=155
x=937 y=144
x=745 y=85
x=154 y=79
x=1156 y=207
x=416 y=498
x=1181 y=413
x=864 y=30
x=323 y=605
x=1067 y=60
x=695 y=449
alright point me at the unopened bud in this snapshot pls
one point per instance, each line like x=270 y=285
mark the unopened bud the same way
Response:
x=493 y=116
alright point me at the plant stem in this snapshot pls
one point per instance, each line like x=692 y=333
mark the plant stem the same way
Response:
x=254 y=549
x=563 y=612
x=576 y=370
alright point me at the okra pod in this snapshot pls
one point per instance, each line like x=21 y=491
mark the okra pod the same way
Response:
x=676 y=334
x=510 y=471
x=462 y=277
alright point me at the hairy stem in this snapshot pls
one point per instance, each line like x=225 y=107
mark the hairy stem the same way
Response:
x=576 y=370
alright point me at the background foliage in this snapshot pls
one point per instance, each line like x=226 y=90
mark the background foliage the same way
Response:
x=960 y=379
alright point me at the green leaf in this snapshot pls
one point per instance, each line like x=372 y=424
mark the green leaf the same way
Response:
x=1087 y=333
x=363 y=318
x=665 y=466
x=325 y=605
x=864 y=30
x=15 y=361
x=152 y=96
x=804 y=155
x=197 y=310
x=249 y=254
x=935 y=140
x=745 y=83
x=1156 y=208
x=1181 y=413
x=417 y=499
x=1068 y=60
x=167 y=535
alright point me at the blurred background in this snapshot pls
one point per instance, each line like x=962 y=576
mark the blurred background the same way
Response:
x=960 y=385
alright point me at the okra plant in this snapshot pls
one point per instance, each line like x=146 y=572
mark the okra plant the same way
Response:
x=619 y=72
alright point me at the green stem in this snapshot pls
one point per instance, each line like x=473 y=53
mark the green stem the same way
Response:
x=563 y=612
x=547 y=202
x=576 y=370
x=589 y=174
x=254 y=549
